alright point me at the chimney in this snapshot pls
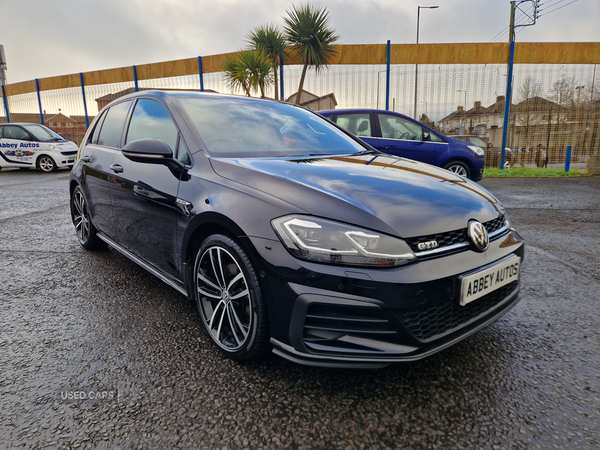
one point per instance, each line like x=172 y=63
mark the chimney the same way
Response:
x=477 y=104
x=500 y=98
x=460 y=108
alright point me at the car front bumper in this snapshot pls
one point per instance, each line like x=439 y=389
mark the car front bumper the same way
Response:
x=344 y=317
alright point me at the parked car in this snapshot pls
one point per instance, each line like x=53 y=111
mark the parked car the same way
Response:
x=399 y=135
x=493 y=155
x=291 y=234
x=531 y=156
x=33 y=146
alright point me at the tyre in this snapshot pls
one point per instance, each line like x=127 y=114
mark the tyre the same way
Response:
x=458 y=168
x=46 y=164
x=80 y=215
x=229 y=299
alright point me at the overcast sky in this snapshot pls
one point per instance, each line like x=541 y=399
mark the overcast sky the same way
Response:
x=45 y=38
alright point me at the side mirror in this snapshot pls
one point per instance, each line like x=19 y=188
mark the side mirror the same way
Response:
x=489 y=144
x=150 y=151
x=426 y=135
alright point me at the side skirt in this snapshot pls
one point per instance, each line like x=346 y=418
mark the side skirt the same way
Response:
x=173 y=282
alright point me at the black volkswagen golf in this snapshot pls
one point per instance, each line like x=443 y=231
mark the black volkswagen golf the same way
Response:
x=290 y=234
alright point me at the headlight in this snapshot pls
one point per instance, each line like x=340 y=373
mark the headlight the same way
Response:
x=477 y=150
x=325 y=241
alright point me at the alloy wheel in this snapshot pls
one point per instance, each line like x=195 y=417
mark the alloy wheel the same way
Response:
x=224 y=298
x=81 y=217
x=47 y=164
x=459 y=170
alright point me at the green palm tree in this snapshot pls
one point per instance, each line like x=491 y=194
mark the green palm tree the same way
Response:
x=307 y=31
x=249 y=70
x=236 y=75
x=259 y=69
x=269 y=40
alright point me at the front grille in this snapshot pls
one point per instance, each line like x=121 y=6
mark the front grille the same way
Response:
x=69 y=153
x=431 y=323
x=451 y=237
x=443 y=239
x=495 y=225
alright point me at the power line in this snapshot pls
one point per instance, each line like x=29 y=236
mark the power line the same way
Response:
x=560 y=7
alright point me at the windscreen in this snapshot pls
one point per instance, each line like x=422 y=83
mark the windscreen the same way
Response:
x=232 y=127
x=43 y=134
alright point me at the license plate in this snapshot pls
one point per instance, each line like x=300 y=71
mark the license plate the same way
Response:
x=481 y=283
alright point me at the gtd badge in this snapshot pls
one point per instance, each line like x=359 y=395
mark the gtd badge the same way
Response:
x=478 y=236
x=427 y=245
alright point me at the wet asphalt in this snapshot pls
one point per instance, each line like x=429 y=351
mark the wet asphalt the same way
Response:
x=93 y=324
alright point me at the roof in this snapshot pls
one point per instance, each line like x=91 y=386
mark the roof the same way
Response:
x=536 y=104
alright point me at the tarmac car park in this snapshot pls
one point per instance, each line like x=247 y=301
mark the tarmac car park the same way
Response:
x=34 y=146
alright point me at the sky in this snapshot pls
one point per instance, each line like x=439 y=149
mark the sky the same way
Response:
x=46 y=38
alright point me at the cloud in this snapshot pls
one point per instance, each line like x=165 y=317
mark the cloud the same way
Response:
x=44 y=38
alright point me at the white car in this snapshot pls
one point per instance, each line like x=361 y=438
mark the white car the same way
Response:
x=33 y=146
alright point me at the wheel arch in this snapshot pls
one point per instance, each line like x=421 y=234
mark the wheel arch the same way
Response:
x=72 y=185
x=203 y=226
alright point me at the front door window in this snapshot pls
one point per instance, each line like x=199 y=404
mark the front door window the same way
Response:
x=394 y=127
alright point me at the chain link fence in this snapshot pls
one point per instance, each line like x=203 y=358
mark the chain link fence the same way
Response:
x=553 y=106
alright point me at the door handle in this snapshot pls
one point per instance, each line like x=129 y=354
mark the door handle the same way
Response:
x=116 y=168
x=391 y=147
x=86 y=159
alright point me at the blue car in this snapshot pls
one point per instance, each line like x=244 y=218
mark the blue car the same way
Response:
x=396 y=134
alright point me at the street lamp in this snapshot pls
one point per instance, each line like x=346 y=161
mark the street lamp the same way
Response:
x=417 y=65
x=464 y=107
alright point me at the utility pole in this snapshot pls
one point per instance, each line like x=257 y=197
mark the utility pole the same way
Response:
x=514 y=5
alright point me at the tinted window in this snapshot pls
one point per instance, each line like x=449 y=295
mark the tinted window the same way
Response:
x=110 y=134
x=97 y=128
x=241 y=127
x=15 y=133
x=357 y=124
x=151 y=119
x=183 y=154
x=394 y=127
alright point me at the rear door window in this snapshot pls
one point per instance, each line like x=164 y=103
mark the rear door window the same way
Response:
x=112 y=128
x=359 y=124
x=97 y=128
